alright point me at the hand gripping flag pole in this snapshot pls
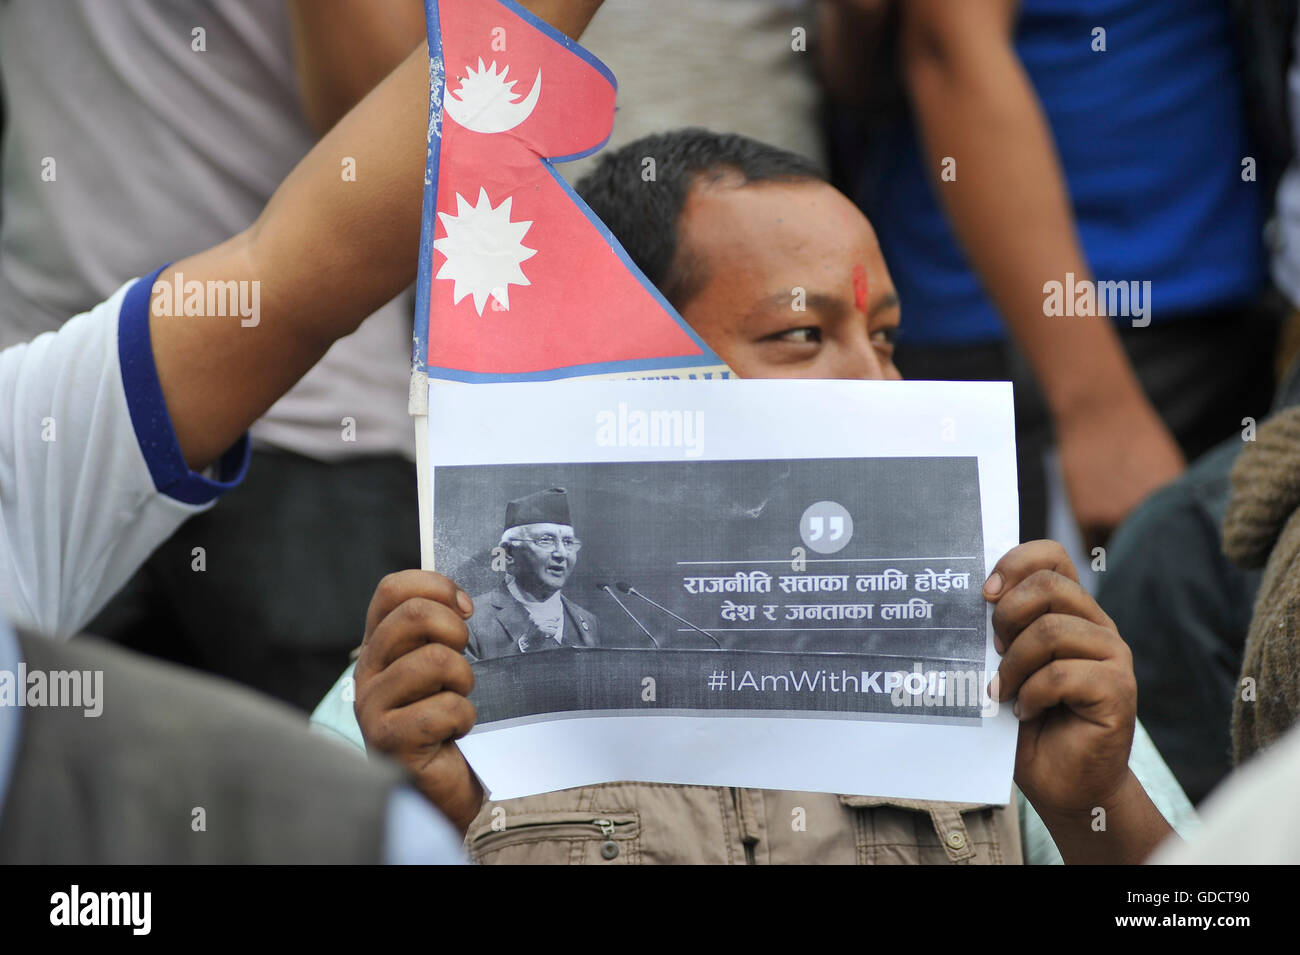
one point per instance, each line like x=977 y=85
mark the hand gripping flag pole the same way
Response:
x=518 y=278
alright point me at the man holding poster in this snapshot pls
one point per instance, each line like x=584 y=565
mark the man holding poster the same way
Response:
x=746 y=226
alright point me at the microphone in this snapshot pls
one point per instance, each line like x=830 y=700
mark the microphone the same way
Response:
x=605 y=587
x=629 y=589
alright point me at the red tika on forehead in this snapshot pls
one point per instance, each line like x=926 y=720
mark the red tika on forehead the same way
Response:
x=859 y=286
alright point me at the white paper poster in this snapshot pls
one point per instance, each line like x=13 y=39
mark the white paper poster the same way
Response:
x=768 y=584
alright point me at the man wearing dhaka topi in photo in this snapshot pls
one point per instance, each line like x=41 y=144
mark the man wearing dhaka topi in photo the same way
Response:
x=527 y=612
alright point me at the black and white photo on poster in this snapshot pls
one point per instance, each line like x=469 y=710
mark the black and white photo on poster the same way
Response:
x=836 y=586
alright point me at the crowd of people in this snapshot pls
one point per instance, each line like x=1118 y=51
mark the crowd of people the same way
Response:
x=1097 y=201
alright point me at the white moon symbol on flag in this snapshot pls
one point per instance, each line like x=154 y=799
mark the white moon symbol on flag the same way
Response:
x=485 y=102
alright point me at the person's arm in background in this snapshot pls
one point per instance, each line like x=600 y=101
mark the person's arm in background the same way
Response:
x=570 y=17
x=849 y=37
x=1010 y=209
x=343 y=48
x=325 y=253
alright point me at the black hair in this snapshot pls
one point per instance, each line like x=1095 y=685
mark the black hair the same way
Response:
x=640 y=189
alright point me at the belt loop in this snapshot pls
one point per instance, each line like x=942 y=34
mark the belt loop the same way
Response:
x=950 y=827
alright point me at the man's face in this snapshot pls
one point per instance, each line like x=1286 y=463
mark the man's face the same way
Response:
x=545 y=558
x=767 y=248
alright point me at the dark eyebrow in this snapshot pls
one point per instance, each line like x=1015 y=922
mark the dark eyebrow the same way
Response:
x=884 y=304
x=831 y=305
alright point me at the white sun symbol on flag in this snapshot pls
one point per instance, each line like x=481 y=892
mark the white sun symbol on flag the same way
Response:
x=483 y=249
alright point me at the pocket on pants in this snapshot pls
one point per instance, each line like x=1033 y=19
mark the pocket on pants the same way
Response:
x=555 y=838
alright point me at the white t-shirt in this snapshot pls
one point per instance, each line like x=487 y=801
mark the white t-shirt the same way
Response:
x=91 y=476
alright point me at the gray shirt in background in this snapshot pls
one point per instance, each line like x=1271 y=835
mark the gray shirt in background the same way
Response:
x=726 y=65
x=126 y=146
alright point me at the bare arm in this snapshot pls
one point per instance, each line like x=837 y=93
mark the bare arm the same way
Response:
x=343 y=48
x=325 y=253
x=1011 y=211
x=568 y=16
x=849 y=33
x=1133 y=830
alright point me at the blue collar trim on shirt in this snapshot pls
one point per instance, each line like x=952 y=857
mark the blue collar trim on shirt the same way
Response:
x=149 y=416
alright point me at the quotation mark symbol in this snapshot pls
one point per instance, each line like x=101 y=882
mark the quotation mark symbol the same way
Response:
x=816 y=526
x=826 y=527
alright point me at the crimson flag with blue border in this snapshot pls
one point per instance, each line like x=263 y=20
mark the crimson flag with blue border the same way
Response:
x=518 y=279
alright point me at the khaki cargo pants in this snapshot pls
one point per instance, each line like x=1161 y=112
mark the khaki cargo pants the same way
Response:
x=651 y=823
